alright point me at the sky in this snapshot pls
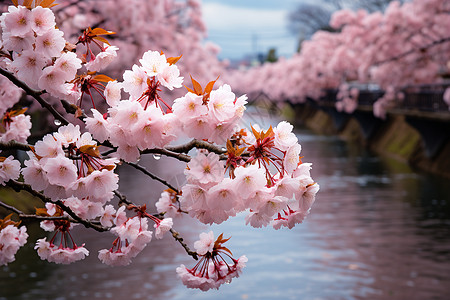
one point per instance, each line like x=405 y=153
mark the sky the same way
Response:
x=246 y=27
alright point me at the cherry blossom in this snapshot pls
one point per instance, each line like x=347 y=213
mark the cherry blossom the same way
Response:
x=72 y=168
x=12 y=238
x=212 y=270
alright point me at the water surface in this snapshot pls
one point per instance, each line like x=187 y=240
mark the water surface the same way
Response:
x=377 y=231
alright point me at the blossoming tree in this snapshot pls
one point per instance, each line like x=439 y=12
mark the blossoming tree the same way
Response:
x=230 y=169
x=406 y=45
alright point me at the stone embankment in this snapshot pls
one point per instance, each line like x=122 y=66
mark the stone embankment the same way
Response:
x=397 y=136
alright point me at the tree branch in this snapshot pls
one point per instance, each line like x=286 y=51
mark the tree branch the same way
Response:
x=196 y=144
x=36 y=95
x=179 y=239
x=423 y=48
x=154 y=177
x=179 y=156
x=22 y=215
x=13 y=145
x=19 y=186
x=122 y=198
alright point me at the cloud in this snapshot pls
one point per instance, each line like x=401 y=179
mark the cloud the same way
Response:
x=223 y=18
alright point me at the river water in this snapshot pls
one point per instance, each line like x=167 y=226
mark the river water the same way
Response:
x=378 y=230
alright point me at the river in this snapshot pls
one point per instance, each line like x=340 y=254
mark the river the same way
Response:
x=378 y=230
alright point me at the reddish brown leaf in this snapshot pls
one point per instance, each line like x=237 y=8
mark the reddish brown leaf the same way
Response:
x=210 y=85
x=42 y=212
x=103 y=78
x=100 y=31
x=226 y=249
x=90 y=150
x=101 y=39
x=47 y=3
x=27 y=3
x=256 y=133
x=173 y=60
x=190 y=90
x=197 y=87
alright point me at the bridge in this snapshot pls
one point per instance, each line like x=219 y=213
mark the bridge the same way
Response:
x=422 y=109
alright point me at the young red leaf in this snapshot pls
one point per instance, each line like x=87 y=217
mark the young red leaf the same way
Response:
x=173 y=60
x=90 y=150
x=190 y=90
x=210 y=85
x=47 y=3
x=256 y=133
x=101 y=39
x=100 y=31
x=27 y=3
x=197 y=87
x=103 y=78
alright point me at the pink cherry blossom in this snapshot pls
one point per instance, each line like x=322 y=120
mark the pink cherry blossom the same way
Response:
x=153 y=62
x=9 y=169
x=205 y=168
x=11 y=239
x=103 y=59
x=59 y=255
x=17 y=21
x=42 y=20
x=51 y=43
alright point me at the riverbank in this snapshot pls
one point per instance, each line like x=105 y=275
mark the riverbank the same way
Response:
x=393 y=137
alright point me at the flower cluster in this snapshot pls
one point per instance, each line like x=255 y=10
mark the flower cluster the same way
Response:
x=9 y=169
x=11 y=239
x=61 y=248
x=259 y=172
x=132 y=235
x=266 y=177
x=210 y=114
x=37 y=50
x=407 y=44
x=139 y=122
x=9 y=93
x=68 y=164
x=15 y=126
x=212 y=270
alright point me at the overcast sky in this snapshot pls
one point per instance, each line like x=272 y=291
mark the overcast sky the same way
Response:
x=243 y=27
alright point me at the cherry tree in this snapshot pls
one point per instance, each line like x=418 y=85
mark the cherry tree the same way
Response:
x=230 y=168
x=408 y=44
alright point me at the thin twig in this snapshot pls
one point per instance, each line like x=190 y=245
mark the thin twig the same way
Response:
x=36 y=95
x=154 y=177
x=196 y=144
x=420 y=49
x=23 y=215
x=19 y=186
x=162 y=151
x=122 y=198
x=13 y=145
x=179 y=239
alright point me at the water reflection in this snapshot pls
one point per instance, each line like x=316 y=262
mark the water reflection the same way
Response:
x=377 y=231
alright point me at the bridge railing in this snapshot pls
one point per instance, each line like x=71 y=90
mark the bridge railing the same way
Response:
x=425 y=98
x=428 y=98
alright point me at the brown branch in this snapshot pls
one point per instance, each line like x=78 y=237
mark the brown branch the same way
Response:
x=19 y=186
x=36 y=95
x=22 y=215
x=421 y=49
x=13 y=145
x=122 y=198
x=162 y=151
x=154 y=177
x=179 y=239
x=196 y=144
